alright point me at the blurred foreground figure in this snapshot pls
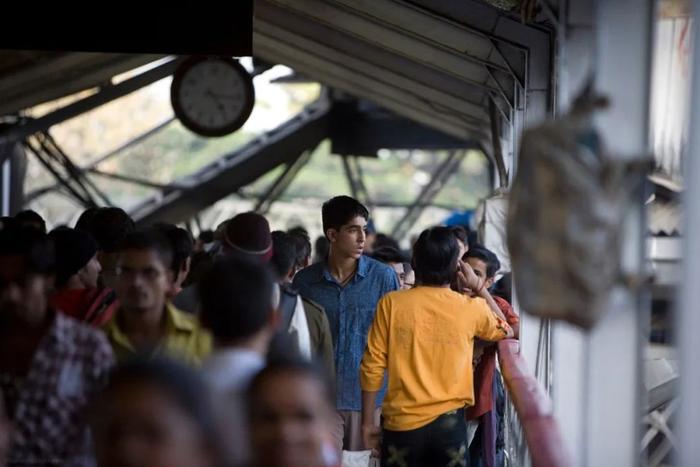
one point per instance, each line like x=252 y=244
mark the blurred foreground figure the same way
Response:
x=4 y=434
x=291 y=413
x=154 y=413
x=237 y=305
x=50 y=364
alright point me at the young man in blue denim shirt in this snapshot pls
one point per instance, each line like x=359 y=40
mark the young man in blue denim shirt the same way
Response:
x=348 y=285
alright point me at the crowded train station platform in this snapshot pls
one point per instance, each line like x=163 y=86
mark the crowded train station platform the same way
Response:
x=351 y=233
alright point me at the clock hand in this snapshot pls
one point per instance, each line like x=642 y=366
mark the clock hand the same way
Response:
x=219 y=105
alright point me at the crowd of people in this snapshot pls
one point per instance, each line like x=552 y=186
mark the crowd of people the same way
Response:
x=139 y=346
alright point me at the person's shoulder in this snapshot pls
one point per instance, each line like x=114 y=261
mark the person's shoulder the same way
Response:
x=308 y=274
x=82 y=335
x=78 y=330
x=502 y=303
x=187 y=322
x=197 y=333
x=311 y=305
x=507 y=309
x=375 y=265
x=395 y=295
x=378 y=269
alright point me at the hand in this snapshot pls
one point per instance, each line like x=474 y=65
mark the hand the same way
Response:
x=467 y=280
x=370 y=438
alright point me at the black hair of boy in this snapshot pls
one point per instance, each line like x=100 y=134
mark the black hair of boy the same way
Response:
x=34 y=246
x=387 y=254
x=338 y=211
x=29 y=218
x=181 y=242
x=109 y=226
x=461 y=233
x=236 y=299
x=149 y=239
x=435 y=257
x=480 y=252
x=284 y=254
x=302 y=243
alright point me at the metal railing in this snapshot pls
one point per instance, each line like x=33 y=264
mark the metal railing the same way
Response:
x=532 y=433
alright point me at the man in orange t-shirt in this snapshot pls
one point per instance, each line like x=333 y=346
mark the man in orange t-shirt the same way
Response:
x=422 y=339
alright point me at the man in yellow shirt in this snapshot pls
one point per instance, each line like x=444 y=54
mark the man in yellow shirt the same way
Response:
x=146 y=321
x=423 y=338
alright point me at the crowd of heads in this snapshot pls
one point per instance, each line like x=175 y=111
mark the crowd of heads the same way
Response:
x=154 y=411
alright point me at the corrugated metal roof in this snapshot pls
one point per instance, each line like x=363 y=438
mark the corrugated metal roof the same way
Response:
x=30 y=78
x=436 y=62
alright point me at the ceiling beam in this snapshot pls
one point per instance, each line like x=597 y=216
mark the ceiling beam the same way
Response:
x=416 y=48
x=399 y=80
x=109 y=93
x=65 y=75
x=390 y=98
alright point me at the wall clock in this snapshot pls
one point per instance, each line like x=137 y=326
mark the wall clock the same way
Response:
x=212 y=96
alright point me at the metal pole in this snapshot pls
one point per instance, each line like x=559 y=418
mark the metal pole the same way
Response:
x=615 y=347
x=6 y=186
x=597 y=376
x=350 y=176
x=688 y=317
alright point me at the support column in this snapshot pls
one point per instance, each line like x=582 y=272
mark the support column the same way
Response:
x=617 y=344
x=12 y=170
x=688 y=316
x=597 y=376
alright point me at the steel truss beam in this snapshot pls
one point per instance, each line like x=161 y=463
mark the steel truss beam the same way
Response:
x=282 y=183
x=106 y=94
x=71 y=178
x=238 y=168
x=443 y=172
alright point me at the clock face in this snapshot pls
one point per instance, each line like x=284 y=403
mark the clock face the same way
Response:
x=212 y=97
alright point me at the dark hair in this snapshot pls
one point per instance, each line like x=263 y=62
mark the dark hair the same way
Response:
x=201 y=260
x=180 y=242
x=236 y=298
x=461 y=233
x=387 y=254
x=435 y=256
x=84 y=222
x=29 y=218
x=284 y=253
x=504 y=288
x=482 y=253
x=302 y=242
x=110 y=226
x=149 y=239
x=183 y=385
x=294 y=366
x=7 y=222
x=384 y=241
x=206 y=236
x=34 y=246
x=338 y=211
x=321 y=249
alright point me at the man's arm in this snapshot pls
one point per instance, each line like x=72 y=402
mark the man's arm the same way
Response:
x=486 y=295
x=370 y=432
x=468 y=280
x=374 y=363
x=511 y=316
